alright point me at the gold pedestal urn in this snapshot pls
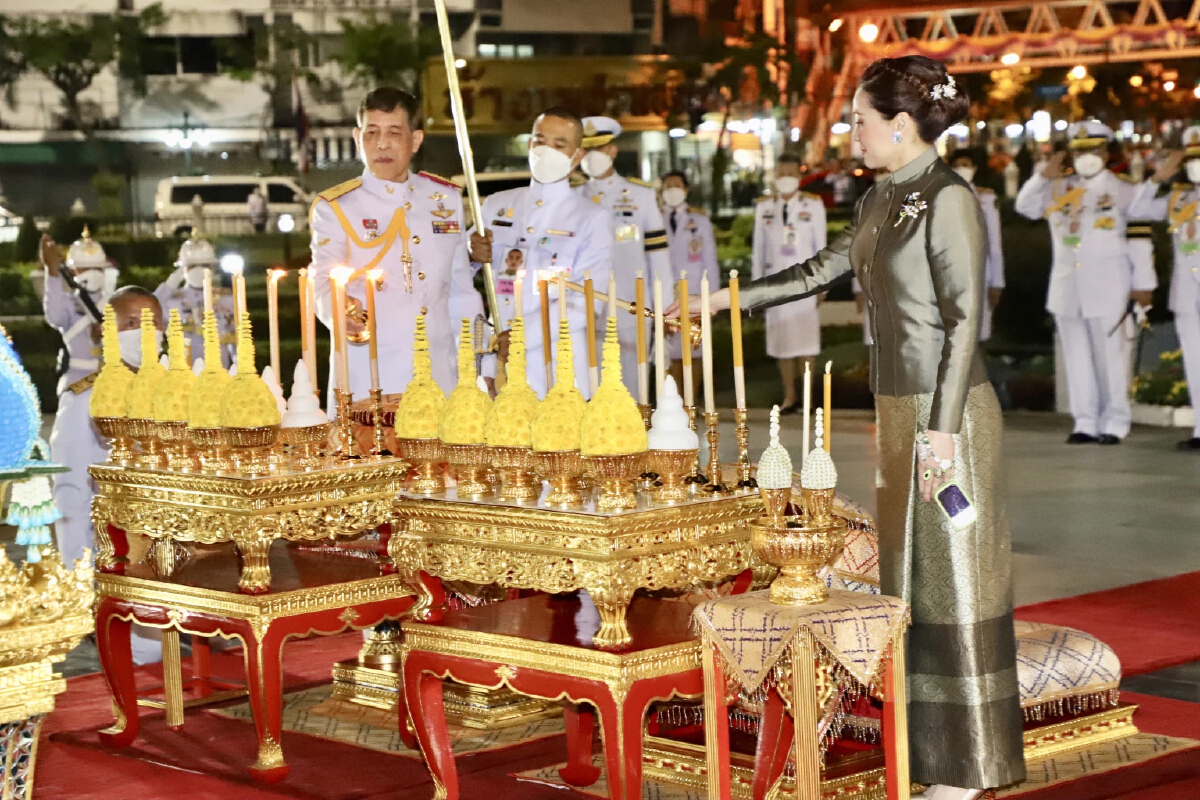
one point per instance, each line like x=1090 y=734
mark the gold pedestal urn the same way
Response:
x=426 y=457
x=616 y=475
x=562 y=469
x=517 y=481
x=303 y=444
x=145 y=433
x=470 y=462
x=672 y=468
x=253 y=449
x=116 y=430
x=800 y=546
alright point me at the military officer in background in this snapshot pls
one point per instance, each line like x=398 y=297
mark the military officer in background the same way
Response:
x=1178 y=204
x=693 y=249
x=966 y=167
x=1094 y=279
x=184 y=290
x=544 y=230
x=410 y=226
x=789 y=227
x=639 y=239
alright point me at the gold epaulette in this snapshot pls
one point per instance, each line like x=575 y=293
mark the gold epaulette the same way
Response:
x=640 y=182
x=1139 y=231
x=335 y=192
x=83 y=384
x=810 y=196
x=984 y=190
x=576 y=178
x=765 y=198
x=1183 y=187
x=1124 y=177
x=439 y=179
x=697 y=210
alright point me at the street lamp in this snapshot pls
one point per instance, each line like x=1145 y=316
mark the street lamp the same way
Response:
x=1079 y=72
x=1135 y=81
x=868 y=32
x=1168 y=86
x=184 y=137
x=1009 y=59
x=836 y=25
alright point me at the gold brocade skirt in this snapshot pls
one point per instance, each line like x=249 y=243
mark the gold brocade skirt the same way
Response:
x=964 y=704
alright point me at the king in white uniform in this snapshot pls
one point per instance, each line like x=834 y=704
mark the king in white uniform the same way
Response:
x=408 y=225
x=1094 y=277
x=789 y=227
x=1179 y=205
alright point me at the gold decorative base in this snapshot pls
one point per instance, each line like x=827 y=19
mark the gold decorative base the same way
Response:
x=174 y=436
x=303 y=446
x=742 y=432
x=253 y=449
x=616 y=475
x=517 y=481
x=470 y=462
x=427 y=457
x=466 y=706
x=116 y=430
x=149 y=454
x=562 y=471
x=800 y=546
x=672 y=468
x=211 y=452
x=346 y=449
x=379 y=437
x=714 y=485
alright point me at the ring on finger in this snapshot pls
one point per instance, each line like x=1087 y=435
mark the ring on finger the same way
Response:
x=927 y=474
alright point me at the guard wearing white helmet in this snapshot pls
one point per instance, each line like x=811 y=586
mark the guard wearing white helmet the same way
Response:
x=184 y=290
x=639 y=235
x=1095 y=277
x=74 y=441
x=1178 y=203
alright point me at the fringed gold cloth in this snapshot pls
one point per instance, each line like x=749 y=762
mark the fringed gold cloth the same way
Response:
x=964 y=714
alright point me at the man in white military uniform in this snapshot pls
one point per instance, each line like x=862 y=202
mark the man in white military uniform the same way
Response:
x=789 y=227
x=965 y=166
x=183 y=290
x=546 y=229
x=693 y=250
x=1179 y=205
x=410 y=227
x=1094 y=277
x=639 y=239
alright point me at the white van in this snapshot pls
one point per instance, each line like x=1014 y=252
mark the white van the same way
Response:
x=224 y=198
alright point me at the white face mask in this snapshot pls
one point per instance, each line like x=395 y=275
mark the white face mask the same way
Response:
x=596 y=163
x=966 y=173
x=1089 y=165
x=674 y=196
x=1193 y=170
x=195 y=277
x=787 y=185
x=90 y=280
x=548 y=165
x=130 y=342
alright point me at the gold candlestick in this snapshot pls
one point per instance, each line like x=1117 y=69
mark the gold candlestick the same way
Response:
x=345 y=425
x=743 y=440
x=379 y=447
x=697 y=477
x=714 y=485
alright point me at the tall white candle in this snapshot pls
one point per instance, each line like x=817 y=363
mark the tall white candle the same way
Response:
x=706 y=345
x=519 y=294
x=612 y=295
x=273 y=278
x=660 y=363
x=208 y=291
x=807 y=410
x=310 y=323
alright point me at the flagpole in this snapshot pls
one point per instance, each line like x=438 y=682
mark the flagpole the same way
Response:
x=464 y=151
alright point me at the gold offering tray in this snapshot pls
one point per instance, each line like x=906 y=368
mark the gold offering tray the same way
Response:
x=611 y=553
x=338 y=499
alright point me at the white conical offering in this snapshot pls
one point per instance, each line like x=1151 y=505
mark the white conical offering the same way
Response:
x=819 y=471
x=670 y=428
x=775 y=466
x=198 y=367
x=304 y=407
x=268 y=376
x=165 y=361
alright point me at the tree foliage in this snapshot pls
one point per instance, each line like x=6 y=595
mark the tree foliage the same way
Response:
x=383 y=50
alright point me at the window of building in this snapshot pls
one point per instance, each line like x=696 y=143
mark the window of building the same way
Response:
x=507 y=51
x=643 y=23
x=280 y=193
x=487 y=50
x=488 y=5
x=641 y=6
x=158 y=56
x=224 y=193
x=489 y=20
x=524 y=51
x=198 y=55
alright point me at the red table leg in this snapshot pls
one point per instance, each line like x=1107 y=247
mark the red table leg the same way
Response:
x=633 y=717
x=112 y=548
x=265 y=682
x=581 y=733
x=716 y=725
x=774 y=746
x=116 y=659
x=424 y=695
x=386 y=565
x=202 y=665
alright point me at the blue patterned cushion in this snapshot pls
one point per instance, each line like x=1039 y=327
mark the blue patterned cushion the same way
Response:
x=1056 y=663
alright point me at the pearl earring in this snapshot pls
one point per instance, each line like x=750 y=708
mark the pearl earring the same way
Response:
x=895 y=137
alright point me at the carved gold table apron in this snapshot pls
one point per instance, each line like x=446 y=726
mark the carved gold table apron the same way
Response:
x=556 y=550
x=337 y=500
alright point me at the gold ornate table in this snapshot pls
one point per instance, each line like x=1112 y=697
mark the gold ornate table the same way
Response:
x=338 y=499
x=611 y=554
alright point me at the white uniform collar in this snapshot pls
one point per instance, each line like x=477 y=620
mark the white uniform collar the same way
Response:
x=606 y=183
x=559 y=190
x=392 y=189
x=1097 y=180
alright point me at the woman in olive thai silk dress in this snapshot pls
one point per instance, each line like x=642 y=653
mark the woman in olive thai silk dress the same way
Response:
x=917 y=243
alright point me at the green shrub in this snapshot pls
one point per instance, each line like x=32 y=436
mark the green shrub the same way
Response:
x=17 y=297
x=1165 y=385
x=27 y=240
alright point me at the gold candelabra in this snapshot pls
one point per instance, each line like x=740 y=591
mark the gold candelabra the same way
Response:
x=743 y=440
x=379 y=447
x=697 y=477
x=345 y=426
x=714 y=485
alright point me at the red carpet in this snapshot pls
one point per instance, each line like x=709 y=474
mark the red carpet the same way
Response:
x=1150 y=625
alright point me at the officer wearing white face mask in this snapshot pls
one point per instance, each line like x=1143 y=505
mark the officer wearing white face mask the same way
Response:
x=1178 y=204
x=639 y=236
x=184 y=290
x=1094 y=278
x=964 y=165
x=544 y=230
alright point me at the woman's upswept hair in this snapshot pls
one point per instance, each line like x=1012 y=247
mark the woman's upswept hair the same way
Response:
x=918 y=86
